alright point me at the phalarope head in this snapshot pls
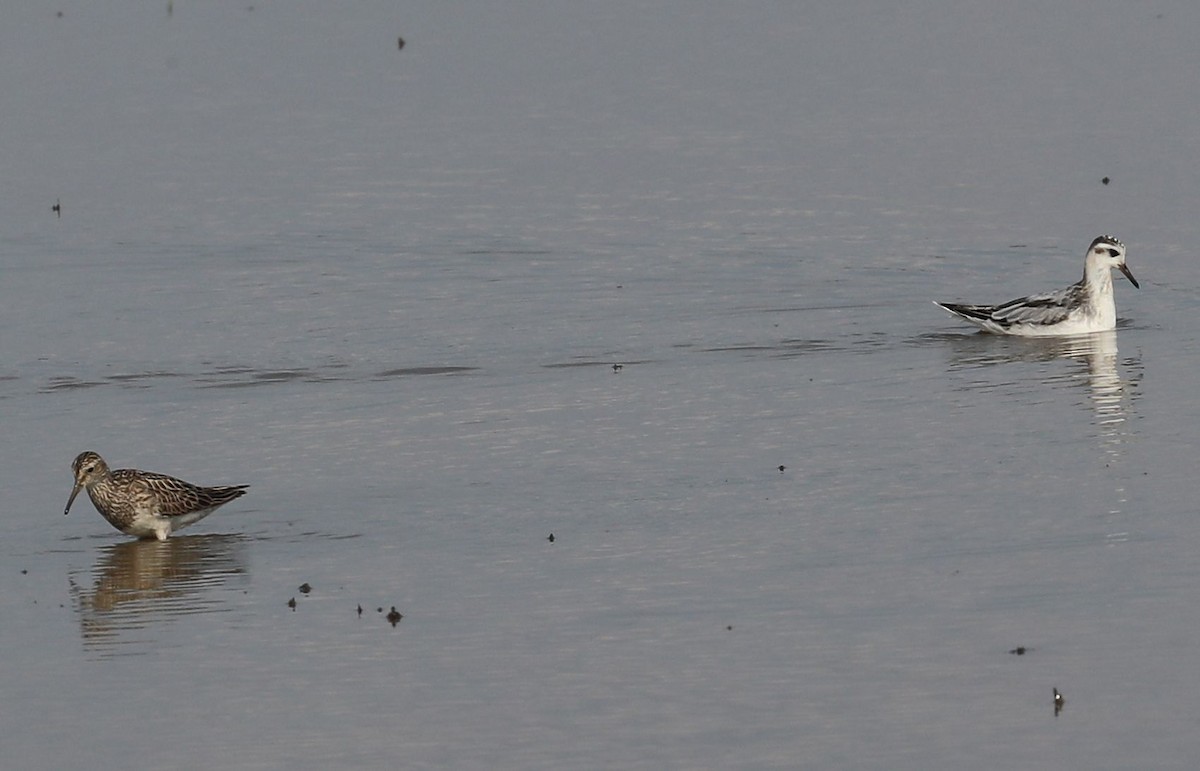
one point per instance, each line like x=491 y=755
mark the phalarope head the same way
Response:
x=1108 y=253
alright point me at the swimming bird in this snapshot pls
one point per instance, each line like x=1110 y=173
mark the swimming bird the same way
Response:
x=1083 y=307
x=142 y=503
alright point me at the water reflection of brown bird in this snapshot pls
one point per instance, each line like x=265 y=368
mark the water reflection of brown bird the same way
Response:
x=135 y=583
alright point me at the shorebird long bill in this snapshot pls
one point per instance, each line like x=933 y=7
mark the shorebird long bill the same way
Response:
x=74 y=492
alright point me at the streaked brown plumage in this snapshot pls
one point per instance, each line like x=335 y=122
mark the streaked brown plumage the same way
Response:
x=142 y=503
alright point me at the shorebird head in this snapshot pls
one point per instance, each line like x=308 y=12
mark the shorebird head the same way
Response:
x=1110 y=253
x=89 y=468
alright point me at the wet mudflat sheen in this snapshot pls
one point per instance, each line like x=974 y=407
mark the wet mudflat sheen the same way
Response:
x=582 y=366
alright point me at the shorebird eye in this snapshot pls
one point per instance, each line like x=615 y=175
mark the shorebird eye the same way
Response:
x=1112 y=252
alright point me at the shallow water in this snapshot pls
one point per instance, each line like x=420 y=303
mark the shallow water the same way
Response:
x=802 y=524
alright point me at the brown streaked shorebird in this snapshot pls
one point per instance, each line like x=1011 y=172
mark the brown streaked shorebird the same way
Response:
x=142 y=503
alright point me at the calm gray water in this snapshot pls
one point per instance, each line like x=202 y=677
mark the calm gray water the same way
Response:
x=802 y=526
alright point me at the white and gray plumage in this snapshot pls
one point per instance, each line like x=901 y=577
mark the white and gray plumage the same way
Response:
x=1083 y=307
x=142 y=503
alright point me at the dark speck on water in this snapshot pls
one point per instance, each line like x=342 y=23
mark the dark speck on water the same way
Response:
x=394 y=616
x=305 y=588
x=292 y=603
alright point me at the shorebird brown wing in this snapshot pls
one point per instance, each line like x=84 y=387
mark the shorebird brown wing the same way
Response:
x=219 y=496
x=171 y=497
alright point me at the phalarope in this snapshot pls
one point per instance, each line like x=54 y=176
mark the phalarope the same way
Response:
x=144 y=504
x=1083 y=307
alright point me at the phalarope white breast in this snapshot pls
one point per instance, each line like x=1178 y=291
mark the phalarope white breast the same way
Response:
x=142 y=503
x=1083 y=307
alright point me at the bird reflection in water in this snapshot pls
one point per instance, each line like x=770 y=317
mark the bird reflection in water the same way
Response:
x=1110 y=391
x=1107 y=385
x=1109 y=394
x=137 y=586
x=1107 y=388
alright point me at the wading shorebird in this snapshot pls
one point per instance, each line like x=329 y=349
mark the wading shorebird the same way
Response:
x=142 y=503
x=1083 y=307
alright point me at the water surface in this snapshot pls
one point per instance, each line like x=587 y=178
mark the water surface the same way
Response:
x=802 y=524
